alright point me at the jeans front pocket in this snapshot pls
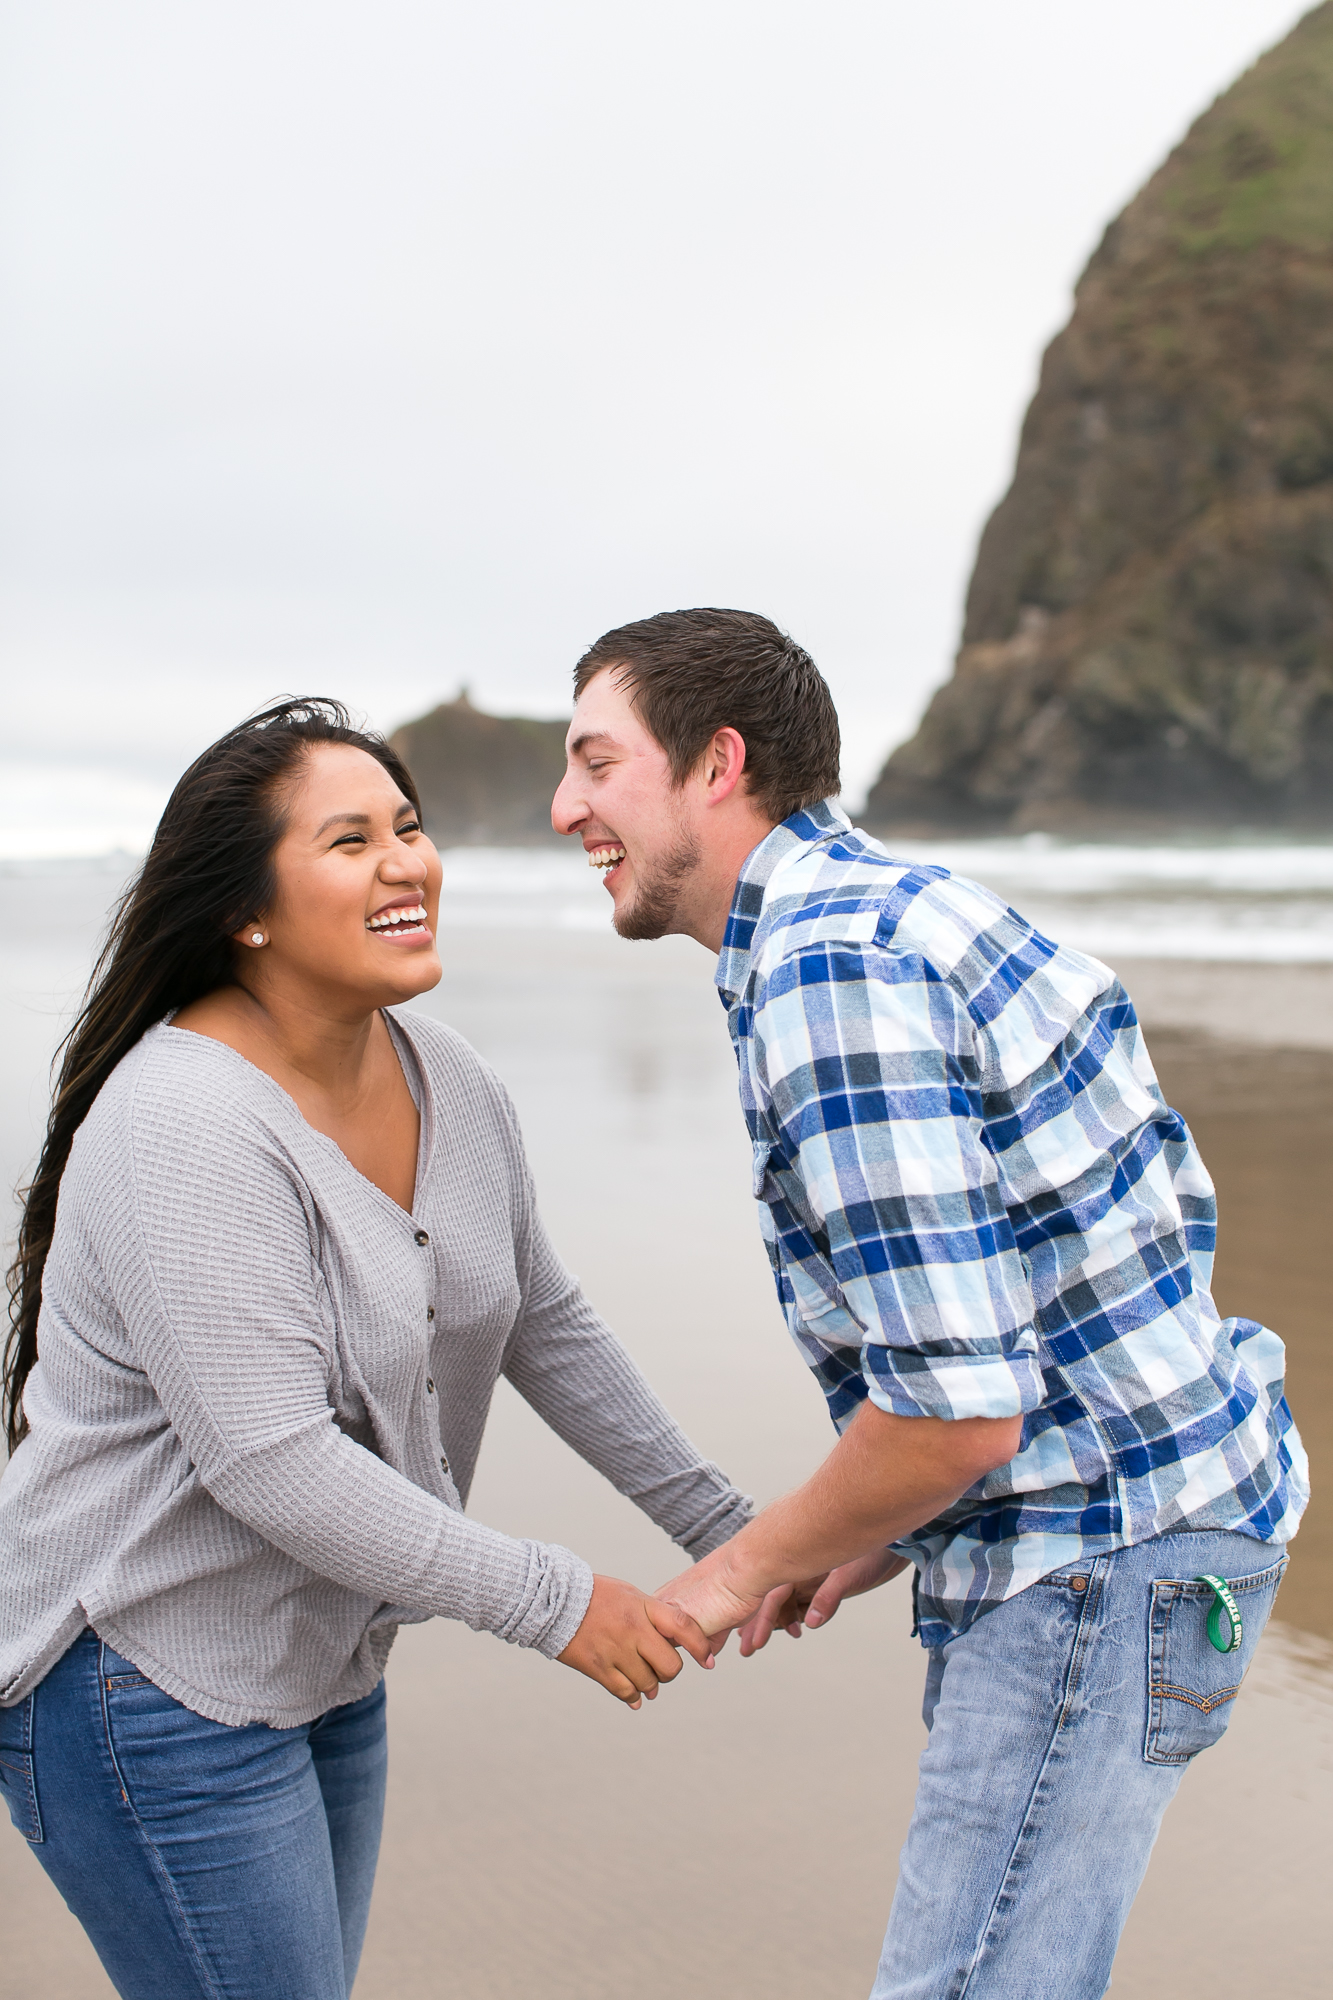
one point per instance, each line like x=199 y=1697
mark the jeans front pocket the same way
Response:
x=18 y=1780
x=118 y=1672
x=1191 y=1686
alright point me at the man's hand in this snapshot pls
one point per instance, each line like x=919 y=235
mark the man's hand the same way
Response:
x=627 y=1641
x=813 y=1603
x=886 y=1477
x=706 y=1595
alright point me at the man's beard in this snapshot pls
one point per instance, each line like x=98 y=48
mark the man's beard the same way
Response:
x=652 y=910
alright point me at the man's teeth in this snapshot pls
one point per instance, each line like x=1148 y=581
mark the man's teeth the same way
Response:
x=387 y=919
x=605 y=857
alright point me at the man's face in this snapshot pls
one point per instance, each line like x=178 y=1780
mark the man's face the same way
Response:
x=617 y=795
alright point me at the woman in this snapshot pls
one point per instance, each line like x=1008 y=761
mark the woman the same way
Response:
x=295 y=1244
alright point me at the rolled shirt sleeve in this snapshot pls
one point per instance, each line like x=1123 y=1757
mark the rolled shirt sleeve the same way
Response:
x=886 y=1220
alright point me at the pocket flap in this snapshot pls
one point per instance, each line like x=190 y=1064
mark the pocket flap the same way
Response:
x=1191 y=1685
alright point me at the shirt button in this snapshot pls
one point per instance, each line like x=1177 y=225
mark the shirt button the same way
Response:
x=430 y=1386
x=430 y=1312
x=421 y=1237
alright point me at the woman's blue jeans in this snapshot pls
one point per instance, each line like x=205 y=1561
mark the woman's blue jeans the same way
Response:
x=204 y=1862
x=1060 y=1726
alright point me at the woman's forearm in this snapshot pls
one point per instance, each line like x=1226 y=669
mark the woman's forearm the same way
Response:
x=569 y=1366
x=341 y=1512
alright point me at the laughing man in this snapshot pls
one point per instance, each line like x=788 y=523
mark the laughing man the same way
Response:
x=992 y=1241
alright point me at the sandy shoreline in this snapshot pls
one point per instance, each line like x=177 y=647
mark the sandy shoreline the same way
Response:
x=1261 y=1006
x=740 y=1837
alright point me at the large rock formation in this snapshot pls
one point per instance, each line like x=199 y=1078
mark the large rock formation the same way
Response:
x=485 y=780
x=1149 y=627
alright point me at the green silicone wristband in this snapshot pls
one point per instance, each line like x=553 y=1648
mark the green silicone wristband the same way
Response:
x=1223 y=1602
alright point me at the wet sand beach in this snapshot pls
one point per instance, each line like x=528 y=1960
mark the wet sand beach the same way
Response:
x=1264 y=1123
x=739 y=1837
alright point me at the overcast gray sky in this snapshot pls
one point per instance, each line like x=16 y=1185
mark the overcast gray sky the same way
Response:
x=375 y=349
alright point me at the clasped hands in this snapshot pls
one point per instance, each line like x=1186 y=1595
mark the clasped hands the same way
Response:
x=628 y=1641
x=886 y=1475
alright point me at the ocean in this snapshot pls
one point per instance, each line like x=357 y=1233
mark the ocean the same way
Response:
x=1265 y=902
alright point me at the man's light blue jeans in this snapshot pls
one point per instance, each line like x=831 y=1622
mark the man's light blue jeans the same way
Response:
x=205 y=1863
x=1060 y=1725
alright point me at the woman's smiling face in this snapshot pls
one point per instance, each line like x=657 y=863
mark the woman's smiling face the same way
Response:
x=357 y=886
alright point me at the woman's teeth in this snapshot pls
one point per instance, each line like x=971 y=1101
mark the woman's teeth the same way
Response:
x=404 y=919
x=605 y=857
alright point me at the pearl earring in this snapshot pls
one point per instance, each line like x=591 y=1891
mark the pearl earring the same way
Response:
x=256 y=937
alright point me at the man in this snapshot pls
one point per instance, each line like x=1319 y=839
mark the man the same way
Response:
x=992 y=1241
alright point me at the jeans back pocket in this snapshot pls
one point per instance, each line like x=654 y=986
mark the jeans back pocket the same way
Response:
x=1191 y=1686
x=18 y=1781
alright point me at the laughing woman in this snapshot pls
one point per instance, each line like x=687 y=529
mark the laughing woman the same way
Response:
x=283 y=1242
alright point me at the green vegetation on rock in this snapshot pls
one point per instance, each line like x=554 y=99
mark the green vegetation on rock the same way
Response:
x=1149 y=628
x=485 y=780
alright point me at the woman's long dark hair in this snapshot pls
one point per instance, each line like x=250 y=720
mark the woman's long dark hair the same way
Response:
x=208 y=871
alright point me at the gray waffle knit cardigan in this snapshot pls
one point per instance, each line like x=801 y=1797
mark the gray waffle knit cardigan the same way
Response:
x=262 y=1388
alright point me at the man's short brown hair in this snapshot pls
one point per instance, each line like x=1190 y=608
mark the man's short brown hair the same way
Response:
x=691 y=673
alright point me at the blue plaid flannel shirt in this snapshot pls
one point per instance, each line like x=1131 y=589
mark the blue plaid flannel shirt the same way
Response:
x=977 y=1203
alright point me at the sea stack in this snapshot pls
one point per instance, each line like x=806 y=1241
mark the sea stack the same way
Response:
x=1148 y=640
x=485 y=780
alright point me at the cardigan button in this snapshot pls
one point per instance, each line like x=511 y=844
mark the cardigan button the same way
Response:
x=444 y=1465
x=430 y=1386
x=430 y=1312
x=421 y=1237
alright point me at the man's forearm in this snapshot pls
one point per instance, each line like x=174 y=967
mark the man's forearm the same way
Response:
x=886 y=1477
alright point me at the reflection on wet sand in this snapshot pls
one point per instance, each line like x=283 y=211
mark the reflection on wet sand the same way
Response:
x=739 y=1836
x=1263 y=1119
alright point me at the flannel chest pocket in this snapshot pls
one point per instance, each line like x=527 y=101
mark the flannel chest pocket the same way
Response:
x=17 y=1779
x=1191 y=1686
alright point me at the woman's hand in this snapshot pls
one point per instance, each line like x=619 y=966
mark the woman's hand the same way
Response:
x=793 y=1606
x=627 y=1641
